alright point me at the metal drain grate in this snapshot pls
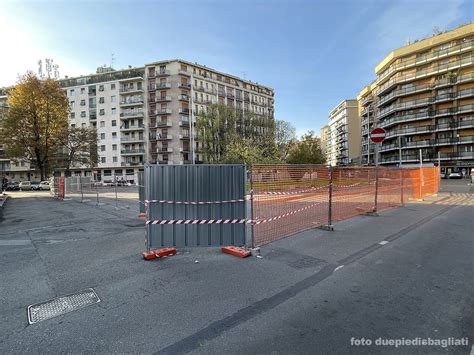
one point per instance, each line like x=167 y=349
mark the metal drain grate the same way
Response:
x=61 y=305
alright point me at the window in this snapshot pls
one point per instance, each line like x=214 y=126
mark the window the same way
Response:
x=72 y=104
x=112 y=86
x=102 y=124
x=101 y=87
x=101 y=100
x=114 y=159
x=72 y=115
x=83 y=113
x=102 y=148
x=114 y=146
x=83 y=102
x=73 y=126
x=102 y=160
x=102 y=136
x=114 y=123
x=83 y=125
x=114 y=111
x=71 y=92
x=114 y=135
x=113 y=98
x=83 y=90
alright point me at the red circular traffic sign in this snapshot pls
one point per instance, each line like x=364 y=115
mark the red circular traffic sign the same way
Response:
x=378 y=135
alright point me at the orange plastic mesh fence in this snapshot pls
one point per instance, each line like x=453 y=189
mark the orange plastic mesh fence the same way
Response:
x=288 y=199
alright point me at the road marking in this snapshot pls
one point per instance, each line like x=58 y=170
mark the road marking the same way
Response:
x=383 y=242
x=339 y=267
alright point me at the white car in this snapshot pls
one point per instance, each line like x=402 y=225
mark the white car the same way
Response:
x=451 y=176
x=44 y=185
x=25 y=185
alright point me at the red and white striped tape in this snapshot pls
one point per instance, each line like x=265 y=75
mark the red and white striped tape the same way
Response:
x=199 y=221
x=193 y=202
x=261 y=221
x=289 y=192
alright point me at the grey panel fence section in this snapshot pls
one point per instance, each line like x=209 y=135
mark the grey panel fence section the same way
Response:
x=141 y=190
x=182 y=184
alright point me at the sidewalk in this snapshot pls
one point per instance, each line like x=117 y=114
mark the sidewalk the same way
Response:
x=177 y=302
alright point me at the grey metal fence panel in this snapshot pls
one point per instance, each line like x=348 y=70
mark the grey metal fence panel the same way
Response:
x=195 y=183
x=141 y=190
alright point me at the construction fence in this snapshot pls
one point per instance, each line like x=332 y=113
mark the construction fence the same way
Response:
x=210 y=205
x=288 y=199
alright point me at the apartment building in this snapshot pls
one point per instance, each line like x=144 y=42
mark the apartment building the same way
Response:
x=367 y=112
x=424 y=98
x=343 y=143
x=147 y=115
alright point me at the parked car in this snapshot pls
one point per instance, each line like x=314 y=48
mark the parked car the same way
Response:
x=13 y=186
x=25 y=185
x=443 y=175
x=455 y=175
x=44 y=185
x=35 y=186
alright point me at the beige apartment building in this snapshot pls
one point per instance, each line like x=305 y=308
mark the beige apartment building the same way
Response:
x=344 y=137
x=147 y=115
x=424 y=98
x=324 y=138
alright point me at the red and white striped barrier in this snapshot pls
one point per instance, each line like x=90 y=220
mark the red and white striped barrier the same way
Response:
x=199 y=221
x=193 y=202
x=261 y=221
x=289 y=192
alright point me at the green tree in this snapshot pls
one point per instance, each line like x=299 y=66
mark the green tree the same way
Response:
x=36 y=121
x=306 y=151
x=285 y=136
x=79 y=148
x=228 y=135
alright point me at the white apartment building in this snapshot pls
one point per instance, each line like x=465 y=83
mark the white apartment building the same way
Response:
x=343 y=134
x=147 y=115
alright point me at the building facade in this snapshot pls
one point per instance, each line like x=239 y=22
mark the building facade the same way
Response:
x=367 y=112
x=424 y=98
x=324 y=138
x=343 y=143
x=147 y=115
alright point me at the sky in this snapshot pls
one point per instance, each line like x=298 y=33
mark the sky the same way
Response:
x=314 y=54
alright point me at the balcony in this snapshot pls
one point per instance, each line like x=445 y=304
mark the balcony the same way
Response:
x=457 y=155
x=164 y=111
x=183 y=98
x=409 y=131
x=183 y=121
x=163 y=99
x=132 y=114
x=138 y=127
x=230 y=95
x=184 y=150
x=184 y=86
x=165 y=85
x=367 y=100
x=164 y=150
x=164 y=137
x=130 y=90
x=199 y=88
x=163 y=72
x=135 y=163
x=424 y=73
x=135 y=102
x=126 y=139
x=184 y=111
x=132 y=151
x=161 y=124
x=403 y=92
x=185 y=136
x=461 y=48
x=408 y=105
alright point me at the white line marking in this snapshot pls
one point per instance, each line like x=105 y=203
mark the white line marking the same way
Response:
x=339 y=267
x=472 y=350
x=383 y=242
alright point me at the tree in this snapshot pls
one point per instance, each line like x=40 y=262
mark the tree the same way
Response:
x=36 y=121
x=285 y=135
x=229 y=135
x=79 y=147
x=306 y=151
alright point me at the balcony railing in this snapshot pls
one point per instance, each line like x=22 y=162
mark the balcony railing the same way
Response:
x=161 y=150
x=426 y=58
x=134 y=127
x=164 y=137
x=185 y=111
x=183 y=97
x=162 y=98
x=164 y=111
x=184 y=85
x=132 y=151
x=130 y=89
x=132 y=139
x=134 y=163
x=132 y=114
x=164 y=124
x=163 y=86
x=131 y=102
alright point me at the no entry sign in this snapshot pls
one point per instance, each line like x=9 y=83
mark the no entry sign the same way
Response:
x=378 y=135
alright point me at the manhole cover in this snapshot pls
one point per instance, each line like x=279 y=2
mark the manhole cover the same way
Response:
x=61 y=305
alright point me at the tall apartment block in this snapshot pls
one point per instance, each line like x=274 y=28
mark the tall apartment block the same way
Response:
x=324 y=135
x=343 y=141
x=424 y=97
x=368 y=120
x=147 y=115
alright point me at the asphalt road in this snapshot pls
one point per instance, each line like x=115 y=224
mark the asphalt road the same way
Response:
x=310 y=293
